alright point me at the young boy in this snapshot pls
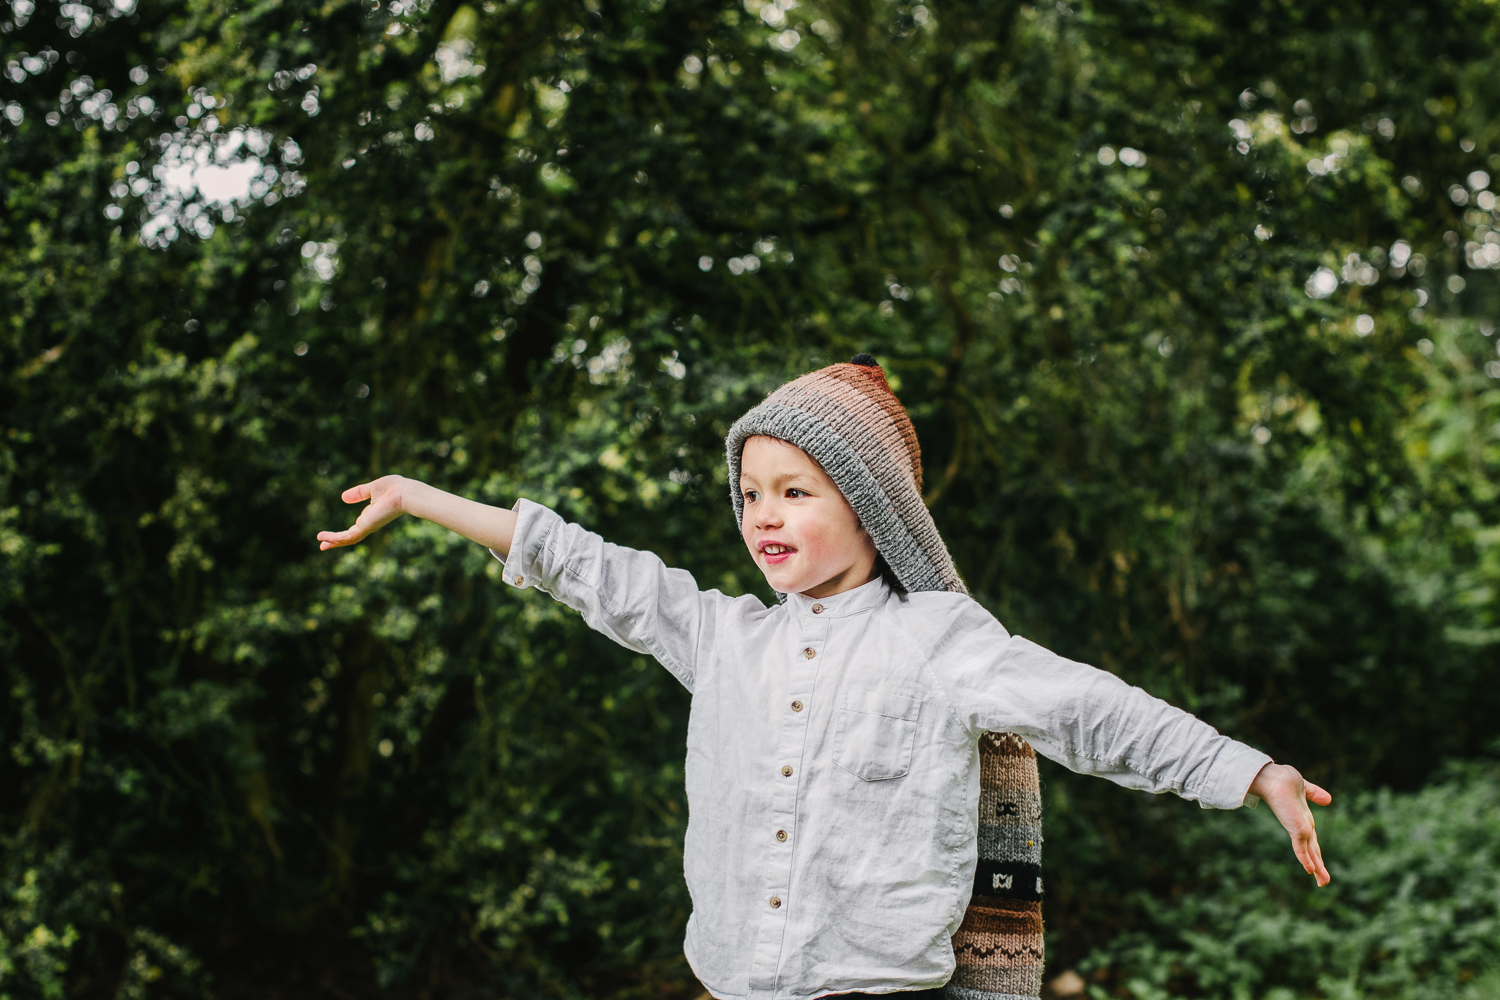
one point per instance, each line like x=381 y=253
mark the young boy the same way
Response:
x=832 y=765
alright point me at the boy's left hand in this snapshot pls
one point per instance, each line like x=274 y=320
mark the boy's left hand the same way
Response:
x=1287 y=793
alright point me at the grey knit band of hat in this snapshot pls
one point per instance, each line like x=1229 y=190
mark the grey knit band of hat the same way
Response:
x=846 y=417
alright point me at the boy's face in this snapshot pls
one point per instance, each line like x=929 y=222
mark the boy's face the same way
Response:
x=800 y=530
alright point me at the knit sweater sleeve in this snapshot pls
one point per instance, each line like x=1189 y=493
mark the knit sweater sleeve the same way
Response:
x=629 y=595
x=1087 y=719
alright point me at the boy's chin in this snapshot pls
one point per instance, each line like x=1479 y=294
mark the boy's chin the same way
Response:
x=786 y=583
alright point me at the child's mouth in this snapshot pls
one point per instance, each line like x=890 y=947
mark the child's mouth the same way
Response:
x=775 y=552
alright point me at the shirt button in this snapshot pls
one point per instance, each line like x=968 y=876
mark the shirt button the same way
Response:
x=786 y=770
x=781 y=835
x=796 y=706
x=775 y=902
x=809 y=652
x=520 y=580
x=817 y=609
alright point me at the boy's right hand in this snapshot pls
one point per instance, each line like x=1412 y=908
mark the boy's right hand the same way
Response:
x=385 y=496
x=1287 y=793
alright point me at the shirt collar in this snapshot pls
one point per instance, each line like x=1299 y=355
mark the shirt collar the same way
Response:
x=851 y=602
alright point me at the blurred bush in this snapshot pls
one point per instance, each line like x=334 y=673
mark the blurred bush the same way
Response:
x=1413 y=911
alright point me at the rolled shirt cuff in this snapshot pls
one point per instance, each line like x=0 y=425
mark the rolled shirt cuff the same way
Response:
x=534 y=523
x=1231 y=777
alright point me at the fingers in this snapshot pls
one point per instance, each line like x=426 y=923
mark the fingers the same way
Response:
x=1317 y=795
x=1304 y=834
x=333 y=539
x=1310 y=853
x=355 y=494
x=384 y=496
x=1311 y=856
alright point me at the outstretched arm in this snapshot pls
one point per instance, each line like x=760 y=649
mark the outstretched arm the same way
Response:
x=1288 y=793
x=1092 y=722
x=629 y=595
x=392 y=496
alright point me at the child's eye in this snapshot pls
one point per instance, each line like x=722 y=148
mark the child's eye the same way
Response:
x=750 y=496
x=794 y=493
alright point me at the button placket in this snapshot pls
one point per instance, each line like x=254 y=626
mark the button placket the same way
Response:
x=805 y=659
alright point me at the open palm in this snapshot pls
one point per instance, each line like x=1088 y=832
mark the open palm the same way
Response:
x=385 y=506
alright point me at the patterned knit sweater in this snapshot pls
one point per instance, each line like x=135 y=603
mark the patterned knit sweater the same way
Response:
x=999 y=944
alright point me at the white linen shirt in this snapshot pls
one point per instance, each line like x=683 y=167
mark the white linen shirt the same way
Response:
x=832 y=764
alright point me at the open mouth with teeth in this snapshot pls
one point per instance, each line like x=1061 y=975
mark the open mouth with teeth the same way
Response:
x=776 y=552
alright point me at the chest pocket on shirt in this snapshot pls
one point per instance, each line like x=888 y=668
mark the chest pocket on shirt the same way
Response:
x=875 y=735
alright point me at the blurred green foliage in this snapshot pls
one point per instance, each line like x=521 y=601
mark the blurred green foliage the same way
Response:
x=1193 y=305
x=1413 y=911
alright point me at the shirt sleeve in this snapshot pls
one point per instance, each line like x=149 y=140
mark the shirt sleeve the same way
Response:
x=1090 y=721
x=629 y=595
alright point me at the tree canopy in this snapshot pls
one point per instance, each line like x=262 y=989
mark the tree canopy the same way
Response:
x=1193 y=305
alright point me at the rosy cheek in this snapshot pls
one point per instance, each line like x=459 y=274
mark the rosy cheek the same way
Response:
x=812 y=551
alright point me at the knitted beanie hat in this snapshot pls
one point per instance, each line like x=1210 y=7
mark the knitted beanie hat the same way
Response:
x=846 y=417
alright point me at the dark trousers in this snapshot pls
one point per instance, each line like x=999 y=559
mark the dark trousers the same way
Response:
x=936 y=994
